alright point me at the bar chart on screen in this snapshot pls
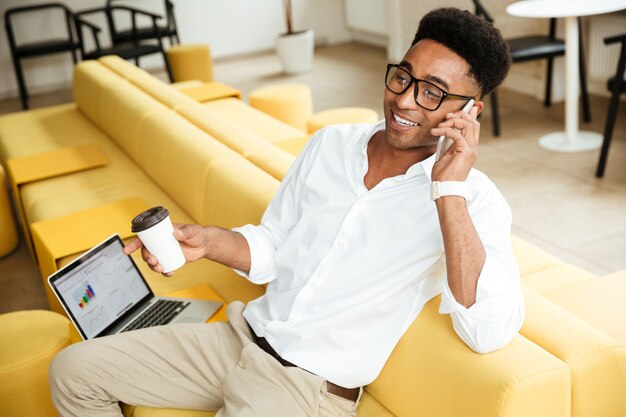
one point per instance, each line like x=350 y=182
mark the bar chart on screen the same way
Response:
x=83 y=296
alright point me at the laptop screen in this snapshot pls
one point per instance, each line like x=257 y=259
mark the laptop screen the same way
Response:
x=99 y=287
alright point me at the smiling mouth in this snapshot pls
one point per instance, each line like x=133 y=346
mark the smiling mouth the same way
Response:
x=404 y=122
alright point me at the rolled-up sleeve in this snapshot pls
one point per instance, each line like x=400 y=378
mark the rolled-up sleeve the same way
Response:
x=498 y=313
x=279 y=218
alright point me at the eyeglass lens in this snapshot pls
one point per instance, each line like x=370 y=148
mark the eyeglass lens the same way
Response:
x=426 y=94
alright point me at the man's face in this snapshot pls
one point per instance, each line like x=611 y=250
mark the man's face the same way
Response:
x=434 y=62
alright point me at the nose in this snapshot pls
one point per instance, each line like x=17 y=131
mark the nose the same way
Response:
x=406 y=100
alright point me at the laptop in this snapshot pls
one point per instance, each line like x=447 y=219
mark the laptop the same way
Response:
x=104 y=293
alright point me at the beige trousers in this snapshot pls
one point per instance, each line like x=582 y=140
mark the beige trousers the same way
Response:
x=213 y=366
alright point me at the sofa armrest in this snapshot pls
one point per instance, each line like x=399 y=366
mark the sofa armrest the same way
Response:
x=431 y=372
x=596 y=361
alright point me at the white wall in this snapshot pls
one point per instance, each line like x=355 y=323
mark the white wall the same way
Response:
x=230 y=27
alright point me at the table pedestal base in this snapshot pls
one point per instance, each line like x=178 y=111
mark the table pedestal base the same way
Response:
x=584 y=141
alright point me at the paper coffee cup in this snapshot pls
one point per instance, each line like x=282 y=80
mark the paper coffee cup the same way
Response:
x=156 y=232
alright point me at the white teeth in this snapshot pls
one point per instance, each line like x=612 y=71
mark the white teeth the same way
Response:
x=403 y=121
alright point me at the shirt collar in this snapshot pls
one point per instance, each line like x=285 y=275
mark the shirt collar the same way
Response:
x=425 y=166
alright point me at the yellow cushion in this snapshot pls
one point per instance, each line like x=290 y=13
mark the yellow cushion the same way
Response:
x=225 y=129
x=8 y=229
x=431 y=372
x=237 y=192
x=253 y=147
x=597 y=362
x=151 y=85
x=28 y=342
x=274 y=131
x=90 y=80
x=600 y=302
x=120 y=179
x=123 y=109
x=555 y=278
x=341 y=115
x=530 y=258
x=182 y=85
x=291 y=103
x=177 y=155
x=43 y=130
x=190 y=62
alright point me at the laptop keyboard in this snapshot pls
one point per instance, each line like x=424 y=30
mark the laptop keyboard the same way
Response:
x=159 y=313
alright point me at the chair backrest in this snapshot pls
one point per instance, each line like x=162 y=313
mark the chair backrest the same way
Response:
x=620 y=74
x=168 y=10
x=480 y=10
x=108 y=13
x=10 y=13
x=81 y=24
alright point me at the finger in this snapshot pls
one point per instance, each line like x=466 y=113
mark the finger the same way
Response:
x=459 y=118
x=180 y=235
x=455 y=134
x=148 y=257
x=132 y=246
x=469 y=128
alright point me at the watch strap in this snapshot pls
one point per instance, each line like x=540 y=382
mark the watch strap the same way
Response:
x=443 y=188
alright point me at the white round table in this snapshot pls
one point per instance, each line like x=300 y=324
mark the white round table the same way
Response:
x=572 y=139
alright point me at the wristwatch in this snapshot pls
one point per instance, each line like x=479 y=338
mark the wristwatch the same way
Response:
x=444 y=188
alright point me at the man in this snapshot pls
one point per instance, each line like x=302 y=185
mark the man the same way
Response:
x=351 y=247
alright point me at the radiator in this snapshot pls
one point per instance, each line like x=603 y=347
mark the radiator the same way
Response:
x=602 y=61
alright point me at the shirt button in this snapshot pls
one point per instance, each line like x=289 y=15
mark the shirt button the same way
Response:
x=340 y=245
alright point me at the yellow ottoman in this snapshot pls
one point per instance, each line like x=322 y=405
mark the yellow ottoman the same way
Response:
x=341 y=115
x=291 y=103
x=190 y=62
x=28 y=342
x=8 y=231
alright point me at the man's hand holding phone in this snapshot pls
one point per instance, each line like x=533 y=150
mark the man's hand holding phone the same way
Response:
x=462 y=130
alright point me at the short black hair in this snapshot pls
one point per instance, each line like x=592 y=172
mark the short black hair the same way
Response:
x=474 y=39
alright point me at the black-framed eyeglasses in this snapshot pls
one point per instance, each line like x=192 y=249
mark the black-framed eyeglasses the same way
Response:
x=427 y=95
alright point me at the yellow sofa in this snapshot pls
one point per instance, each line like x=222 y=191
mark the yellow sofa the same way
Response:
x=162 y=148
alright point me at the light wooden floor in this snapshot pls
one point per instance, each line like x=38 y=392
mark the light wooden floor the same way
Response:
x=557 y=202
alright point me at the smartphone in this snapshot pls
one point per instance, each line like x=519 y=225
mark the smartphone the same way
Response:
x=444 y=143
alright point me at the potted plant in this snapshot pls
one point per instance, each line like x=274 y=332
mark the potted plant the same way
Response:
x=295 y=48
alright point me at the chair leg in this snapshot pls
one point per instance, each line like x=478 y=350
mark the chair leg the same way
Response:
x=548 y=96
x=583 y=82
x=608 y=133
x=167 y=66
x=19 y=74
x=495 y=113
x=137 y=61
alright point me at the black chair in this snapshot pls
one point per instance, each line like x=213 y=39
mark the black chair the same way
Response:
x=530 y=48
x=38 y=48
x=132 y=49
x=617 y=86
x=168 y=30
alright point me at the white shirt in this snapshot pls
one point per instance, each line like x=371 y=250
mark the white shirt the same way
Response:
x=350 y=269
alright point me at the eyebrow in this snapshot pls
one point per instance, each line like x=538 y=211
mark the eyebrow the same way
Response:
x=429 y=77
x=438 y=80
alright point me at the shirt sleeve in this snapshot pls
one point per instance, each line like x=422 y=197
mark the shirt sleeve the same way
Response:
x=279 y=218
x=498 y=313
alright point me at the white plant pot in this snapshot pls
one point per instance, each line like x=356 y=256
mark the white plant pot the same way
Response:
x=296 y=51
